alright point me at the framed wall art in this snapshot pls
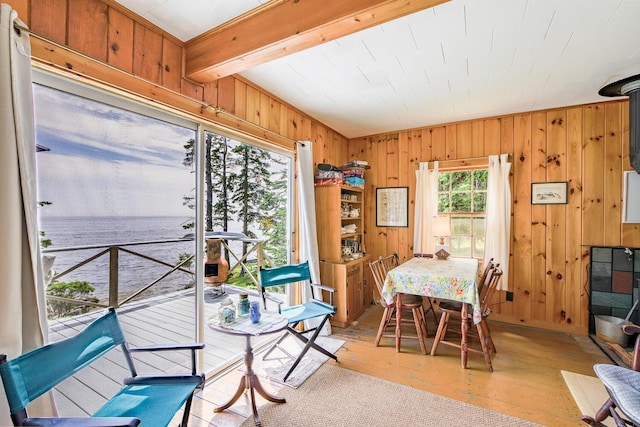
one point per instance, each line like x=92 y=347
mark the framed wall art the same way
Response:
x=392 y=207
x=548 y=193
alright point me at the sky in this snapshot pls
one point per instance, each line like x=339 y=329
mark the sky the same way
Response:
x=105 y=161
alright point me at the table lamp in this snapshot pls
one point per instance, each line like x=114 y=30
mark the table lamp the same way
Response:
x=441 y=229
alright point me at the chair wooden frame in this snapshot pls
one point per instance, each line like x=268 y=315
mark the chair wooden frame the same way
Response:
x=379 y=269
x=484 y=334
x=314 y=308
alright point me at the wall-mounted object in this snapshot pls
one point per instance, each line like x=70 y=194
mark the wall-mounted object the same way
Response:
x=630 y=87
x=392 y=207
x=548 y=193
x=631 y=198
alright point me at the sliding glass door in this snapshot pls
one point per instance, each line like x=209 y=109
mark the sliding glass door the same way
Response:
x=128 y=196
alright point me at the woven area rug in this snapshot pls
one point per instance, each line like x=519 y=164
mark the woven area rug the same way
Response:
x=588 y=392
x=277 y=364
x=337 y=397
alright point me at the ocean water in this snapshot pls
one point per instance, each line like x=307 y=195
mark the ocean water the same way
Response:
x=134 y=272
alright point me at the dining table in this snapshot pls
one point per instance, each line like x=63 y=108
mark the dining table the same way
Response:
x=452 y=279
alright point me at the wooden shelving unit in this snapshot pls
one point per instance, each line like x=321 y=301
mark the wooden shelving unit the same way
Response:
x=339 y=210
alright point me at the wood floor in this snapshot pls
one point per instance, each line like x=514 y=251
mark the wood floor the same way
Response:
x=526 y=381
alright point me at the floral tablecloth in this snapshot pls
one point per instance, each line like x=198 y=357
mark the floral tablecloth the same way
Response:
x=452 y=279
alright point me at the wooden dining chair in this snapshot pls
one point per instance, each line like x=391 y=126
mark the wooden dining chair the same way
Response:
x=392 y=261
x=483 y=332
x=410 y=303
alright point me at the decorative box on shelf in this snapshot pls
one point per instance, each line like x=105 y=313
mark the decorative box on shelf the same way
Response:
x=328 y=177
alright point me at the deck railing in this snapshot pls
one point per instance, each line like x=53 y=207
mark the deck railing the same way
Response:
x=113 y=250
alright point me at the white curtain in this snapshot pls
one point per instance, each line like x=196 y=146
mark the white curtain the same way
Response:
x=23 y=321
x=426 y=208
x=307 y=221
x=498 y=231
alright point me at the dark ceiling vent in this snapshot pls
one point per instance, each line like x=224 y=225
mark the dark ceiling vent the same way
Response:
x=629 y=87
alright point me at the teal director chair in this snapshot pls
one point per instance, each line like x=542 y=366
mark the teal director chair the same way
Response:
x=312 y=309
x=145 y=400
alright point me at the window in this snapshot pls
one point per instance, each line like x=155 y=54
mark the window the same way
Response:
x=462 y=196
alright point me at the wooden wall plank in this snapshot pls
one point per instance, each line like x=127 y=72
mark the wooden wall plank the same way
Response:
x=492 y=136
x=265 y=110
x=538 y=218
x=506 y=146
x=284 y=123
x=87 y=32
x=392 y=158
x=274 y=115
x=477 y=138
x=209 y=92
x=253 y=105
x=120 y=40
x=464 y=140
x=414 y=147
x=147 y=54
x=576 y=298
x=426 y=145
x=451 y=143
x=556 y=147
x=197 y=91
x=22 y=8
x=226 y=94
x=593 y=175
x=520 y=285
x=49 y=18
x=240 y=100
x=171 y=65
x=438 y=143
x=612 y=174
x=305 y=134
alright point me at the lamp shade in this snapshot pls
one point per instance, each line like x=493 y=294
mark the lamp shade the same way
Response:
x=440 y=226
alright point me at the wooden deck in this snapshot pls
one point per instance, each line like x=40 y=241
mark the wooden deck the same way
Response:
x=166 y=319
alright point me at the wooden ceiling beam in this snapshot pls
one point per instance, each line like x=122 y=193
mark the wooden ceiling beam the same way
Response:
x=286 y=27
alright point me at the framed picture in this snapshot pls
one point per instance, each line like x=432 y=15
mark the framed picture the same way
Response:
x=548 y=193
x=392 y=207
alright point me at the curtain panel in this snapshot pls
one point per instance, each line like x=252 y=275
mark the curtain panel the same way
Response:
x=23 y=321
x=498 y=231
x=426 y=208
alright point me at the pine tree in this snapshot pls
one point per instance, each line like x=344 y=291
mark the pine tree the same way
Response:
x=217 y=209
x=249 y=183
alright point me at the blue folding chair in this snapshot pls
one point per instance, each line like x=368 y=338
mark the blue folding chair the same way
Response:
x=315 y=308
x=146 y=400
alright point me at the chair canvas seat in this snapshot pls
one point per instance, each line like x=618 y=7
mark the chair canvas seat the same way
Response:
x=309 y=310
x=315 y=308
x=155 y=404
